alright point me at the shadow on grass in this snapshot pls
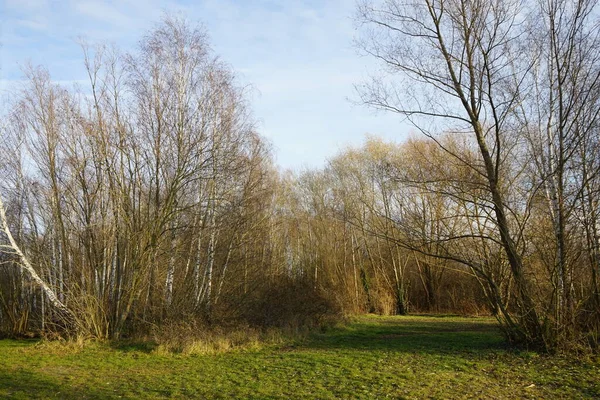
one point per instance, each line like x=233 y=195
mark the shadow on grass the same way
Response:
x=414 y=335
x=126 y=346
x=21 y=384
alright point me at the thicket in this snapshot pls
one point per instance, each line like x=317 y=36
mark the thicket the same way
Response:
x=148 y=201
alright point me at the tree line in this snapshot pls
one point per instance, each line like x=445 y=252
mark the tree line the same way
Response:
x=150 y=197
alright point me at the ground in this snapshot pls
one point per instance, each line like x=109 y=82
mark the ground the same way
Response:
x=369 y=358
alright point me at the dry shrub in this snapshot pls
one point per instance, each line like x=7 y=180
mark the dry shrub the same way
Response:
x=384 y=302
x=277 y=312
x=197 y=337
x=59 y=345
x=293 y=304
x=91 y=318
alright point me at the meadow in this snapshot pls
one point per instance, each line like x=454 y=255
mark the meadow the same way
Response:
x=368 y=357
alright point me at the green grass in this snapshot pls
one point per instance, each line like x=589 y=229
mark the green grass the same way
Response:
x=371 y=358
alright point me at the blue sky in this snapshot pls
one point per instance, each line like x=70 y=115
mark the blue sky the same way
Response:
x=296 y=54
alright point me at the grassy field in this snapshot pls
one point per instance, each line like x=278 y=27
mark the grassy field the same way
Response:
x=370 y=358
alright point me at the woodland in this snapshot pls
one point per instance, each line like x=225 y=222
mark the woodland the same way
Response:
x=148 y=201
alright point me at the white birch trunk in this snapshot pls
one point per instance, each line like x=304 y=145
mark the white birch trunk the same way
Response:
x=170 y=271
x=26 y=265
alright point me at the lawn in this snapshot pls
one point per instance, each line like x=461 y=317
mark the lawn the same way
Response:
x=370 y=358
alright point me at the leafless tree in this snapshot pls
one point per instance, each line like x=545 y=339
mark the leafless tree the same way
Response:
x=480 y=68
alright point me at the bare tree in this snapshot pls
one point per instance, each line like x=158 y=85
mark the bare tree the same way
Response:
x=473 y=67
x=139 y=189
x=559 y=116
x=456 y=61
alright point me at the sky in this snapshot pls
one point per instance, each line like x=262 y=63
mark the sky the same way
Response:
x=297 y=55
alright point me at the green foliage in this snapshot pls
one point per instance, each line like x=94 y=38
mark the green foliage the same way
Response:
x=369 y=357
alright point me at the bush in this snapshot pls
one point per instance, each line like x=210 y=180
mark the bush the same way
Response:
x=290 y=303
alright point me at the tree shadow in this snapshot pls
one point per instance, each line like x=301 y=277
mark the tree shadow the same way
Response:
x=414 y=335
x=127 y=346
x=20 y=384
